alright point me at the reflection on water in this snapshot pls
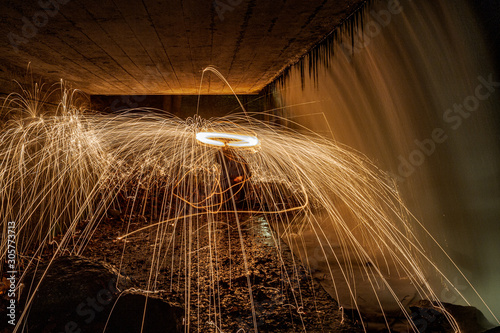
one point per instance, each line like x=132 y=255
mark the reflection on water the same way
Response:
x=415 y=90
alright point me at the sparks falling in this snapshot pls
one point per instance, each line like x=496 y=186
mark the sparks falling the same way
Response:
x=62 y=166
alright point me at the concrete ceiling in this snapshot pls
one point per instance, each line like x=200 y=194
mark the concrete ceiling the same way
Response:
x=132 y=47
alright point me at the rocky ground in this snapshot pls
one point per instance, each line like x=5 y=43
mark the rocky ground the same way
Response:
x=285 y=298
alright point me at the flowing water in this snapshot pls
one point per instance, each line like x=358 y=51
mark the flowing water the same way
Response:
x=412 y=86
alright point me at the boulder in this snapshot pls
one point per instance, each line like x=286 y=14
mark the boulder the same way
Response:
x=428 y=317
x=77 y=294
x=134 y=305
x=74 y=293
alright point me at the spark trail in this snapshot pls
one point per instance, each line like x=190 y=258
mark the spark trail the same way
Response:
x=62 y=166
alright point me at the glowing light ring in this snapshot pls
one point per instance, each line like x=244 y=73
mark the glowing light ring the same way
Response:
x=210 y=138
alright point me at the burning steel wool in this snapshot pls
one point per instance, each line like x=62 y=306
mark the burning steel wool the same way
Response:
x=210 y=208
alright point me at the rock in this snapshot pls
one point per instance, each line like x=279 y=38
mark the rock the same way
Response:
x=74 y=293
x=429 y=318
x=160 y=316
x=80 y=295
